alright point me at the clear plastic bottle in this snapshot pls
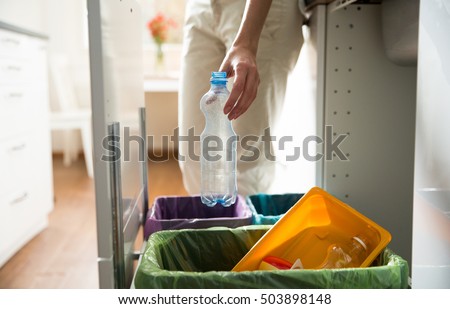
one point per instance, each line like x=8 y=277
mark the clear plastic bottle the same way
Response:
x=350 y=254
x=218 y=146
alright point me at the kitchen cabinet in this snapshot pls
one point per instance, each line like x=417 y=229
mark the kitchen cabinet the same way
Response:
x=26 y=183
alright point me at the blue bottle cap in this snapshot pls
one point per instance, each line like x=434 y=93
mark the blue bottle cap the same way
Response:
x=218 y=78
x=219 y=75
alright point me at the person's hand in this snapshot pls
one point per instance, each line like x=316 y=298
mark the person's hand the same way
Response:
x=240 y=63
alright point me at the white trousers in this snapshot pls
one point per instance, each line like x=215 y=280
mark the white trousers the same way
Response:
x=209 y=30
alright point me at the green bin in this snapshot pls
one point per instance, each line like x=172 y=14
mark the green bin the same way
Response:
x=203 y=258
x=269 y=208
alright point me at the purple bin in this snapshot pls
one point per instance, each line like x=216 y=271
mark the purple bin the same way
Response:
x=188 y=212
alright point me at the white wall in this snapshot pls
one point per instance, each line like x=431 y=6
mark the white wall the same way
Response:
x=24 y=13
x=66 y=25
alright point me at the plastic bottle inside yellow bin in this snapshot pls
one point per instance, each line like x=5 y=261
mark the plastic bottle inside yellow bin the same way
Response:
x=348 y=254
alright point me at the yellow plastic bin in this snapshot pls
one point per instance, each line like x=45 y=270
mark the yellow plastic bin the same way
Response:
x=307 y=230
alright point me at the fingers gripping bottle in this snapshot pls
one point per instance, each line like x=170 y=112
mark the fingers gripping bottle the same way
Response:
x=218 y=146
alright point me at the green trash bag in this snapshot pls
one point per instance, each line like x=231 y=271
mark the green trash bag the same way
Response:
x=269 y=208
x=203 y=258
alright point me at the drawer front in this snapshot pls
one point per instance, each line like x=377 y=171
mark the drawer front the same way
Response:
x=14 y=71
x=16 y=156
x=24 y=105
x=13 y=45
x=16 y=222
x=16 y=106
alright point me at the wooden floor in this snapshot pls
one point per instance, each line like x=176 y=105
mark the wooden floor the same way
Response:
x=65 y=254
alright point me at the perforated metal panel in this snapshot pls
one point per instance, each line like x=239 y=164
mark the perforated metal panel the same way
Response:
x=372 y=101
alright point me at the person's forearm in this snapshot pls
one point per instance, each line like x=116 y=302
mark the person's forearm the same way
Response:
x=252 y=24
x=240 y=60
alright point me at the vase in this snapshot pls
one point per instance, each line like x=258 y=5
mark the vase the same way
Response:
x=159 y=61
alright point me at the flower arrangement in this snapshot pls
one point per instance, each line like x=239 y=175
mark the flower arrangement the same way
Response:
x=159 y=27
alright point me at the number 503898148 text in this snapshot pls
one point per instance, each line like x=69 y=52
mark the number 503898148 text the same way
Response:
x=311 y=299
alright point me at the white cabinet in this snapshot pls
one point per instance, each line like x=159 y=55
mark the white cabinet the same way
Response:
x=26 y=184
